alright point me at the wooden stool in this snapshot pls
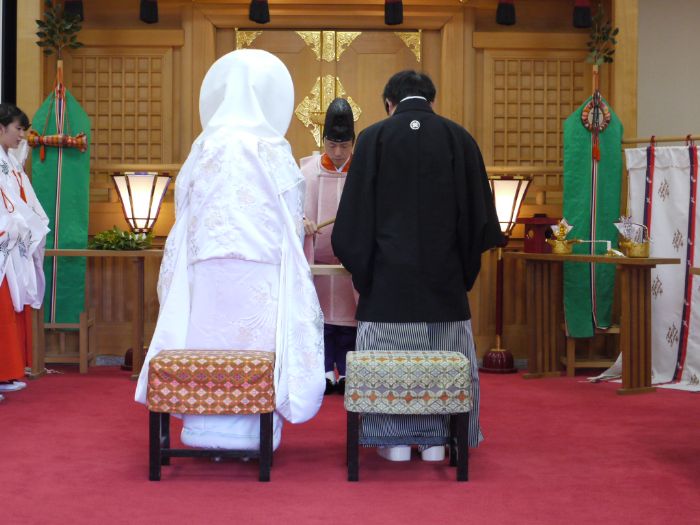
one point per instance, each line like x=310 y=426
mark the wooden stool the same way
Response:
x=409 y=382
x=572 y=363
x=206 y=382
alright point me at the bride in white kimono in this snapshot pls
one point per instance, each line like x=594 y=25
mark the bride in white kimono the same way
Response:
x=234 y=275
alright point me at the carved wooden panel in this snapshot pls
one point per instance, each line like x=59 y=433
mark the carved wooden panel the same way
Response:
x=531 y=99
x=127 y=93
x=527 y=96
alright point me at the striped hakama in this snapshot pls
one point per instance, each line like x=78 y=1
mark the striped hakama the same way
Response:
x=428 y=430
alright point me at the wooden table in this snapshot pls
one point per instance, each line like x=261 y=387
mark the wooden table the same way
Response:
x=544 y=296
x=139 y=257
x=137 y=322
x=328 y=269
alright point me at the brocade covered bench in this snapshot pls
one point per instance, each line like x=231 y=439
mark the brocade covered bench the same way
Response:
x=208 y=382
x=409 y=382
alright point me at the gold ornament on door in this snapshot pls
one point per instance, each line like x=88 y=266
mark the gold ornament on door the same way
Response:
x=312 y=110
x=328 y=45
x=245 y=39
x=413 y=41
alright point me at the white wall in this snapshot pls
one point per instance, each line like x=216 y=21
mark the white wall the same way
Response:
x=669 y=67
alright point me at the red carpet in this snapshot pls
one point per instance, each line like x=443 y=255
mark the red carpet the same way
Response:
x=73 y=450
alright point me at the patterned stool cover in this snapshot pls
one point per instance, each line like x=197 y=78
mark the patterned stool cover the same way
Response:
x=211 y=382
x=407 y=382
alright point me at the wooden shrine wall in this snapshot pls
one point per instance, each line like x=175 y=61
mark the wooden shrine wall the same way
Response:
x=512 y=87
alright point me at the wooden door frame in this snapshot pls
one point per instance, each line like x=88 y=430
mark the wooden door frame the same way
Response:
x=202 y=19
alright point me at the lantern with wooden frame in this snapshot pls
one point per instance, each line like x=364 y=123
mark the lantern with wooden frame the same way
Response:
x=141 y=194
x=508 y=193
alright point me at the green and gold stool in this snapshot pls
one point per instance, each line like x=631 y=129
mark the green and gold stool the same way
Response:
x=409 y=382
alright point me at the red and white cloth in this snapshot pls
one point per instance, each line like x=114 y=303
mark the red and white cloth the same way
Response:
x=662 y=195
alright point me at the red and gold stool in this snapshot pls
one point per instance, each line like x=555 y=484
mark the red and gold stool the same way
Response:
x=209 y=382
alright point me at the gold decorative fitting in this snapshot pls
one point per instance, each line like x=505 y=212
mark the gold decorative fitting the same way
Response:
x=313 y=40
x=312 y=110
x=343 y=40
x=413 y=41
x=245 y=38
x=328 y=45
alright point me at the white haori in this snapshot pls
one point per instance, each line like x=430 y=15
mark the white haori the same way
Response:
x=22 y=246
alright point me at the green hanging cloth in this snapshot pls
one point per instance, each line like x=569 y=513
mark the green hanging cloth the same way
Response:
x=61 y=180
x=592 y=179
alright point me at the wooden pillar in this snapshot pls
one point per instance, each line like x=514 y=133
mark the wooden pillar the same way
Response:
x=469 y=73
x=451 y=87
x=624 y=79
x=624 y=72
x=29 y=57
x=187 y=89
x=203 y=56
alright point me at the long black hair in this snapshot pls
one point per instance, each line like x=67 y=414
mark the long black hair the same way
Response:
x=10 y=113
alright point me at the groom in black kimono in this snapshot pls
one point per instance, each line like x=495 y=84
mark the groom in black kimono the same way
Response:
x=415 y=216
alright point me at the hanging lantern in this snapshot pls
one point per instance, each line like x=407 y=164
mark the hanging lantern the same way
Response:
x=74 y=7
x=582 y=13
x=149 y=11
x=259 y=11
x=505 y=13
x=393 y=12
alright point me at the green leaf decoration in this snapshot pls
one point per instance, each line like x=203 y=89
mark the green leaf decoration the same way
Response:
x=116 y=239
x=58 y=30
x=601 y=46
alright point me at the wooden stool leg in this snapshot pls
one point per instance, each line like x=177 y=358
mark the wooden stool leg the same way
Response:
x=453 y=440
x=353 y=445
x=265 y=446
x=164 y=437
x=462 y=446
x=570 y=356
x=154 y=435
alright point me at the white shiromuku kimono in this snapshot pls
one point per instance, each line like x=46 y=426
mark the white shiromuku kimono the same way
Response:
x=234 y=275
x=22 y=246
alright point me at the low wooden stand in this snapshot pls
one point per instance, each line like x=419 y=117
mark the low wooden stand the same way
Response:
x=572 y=363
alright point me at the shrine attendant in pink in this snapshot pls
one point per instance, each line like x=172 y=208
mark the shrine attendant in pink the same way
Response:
x=325 y=178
